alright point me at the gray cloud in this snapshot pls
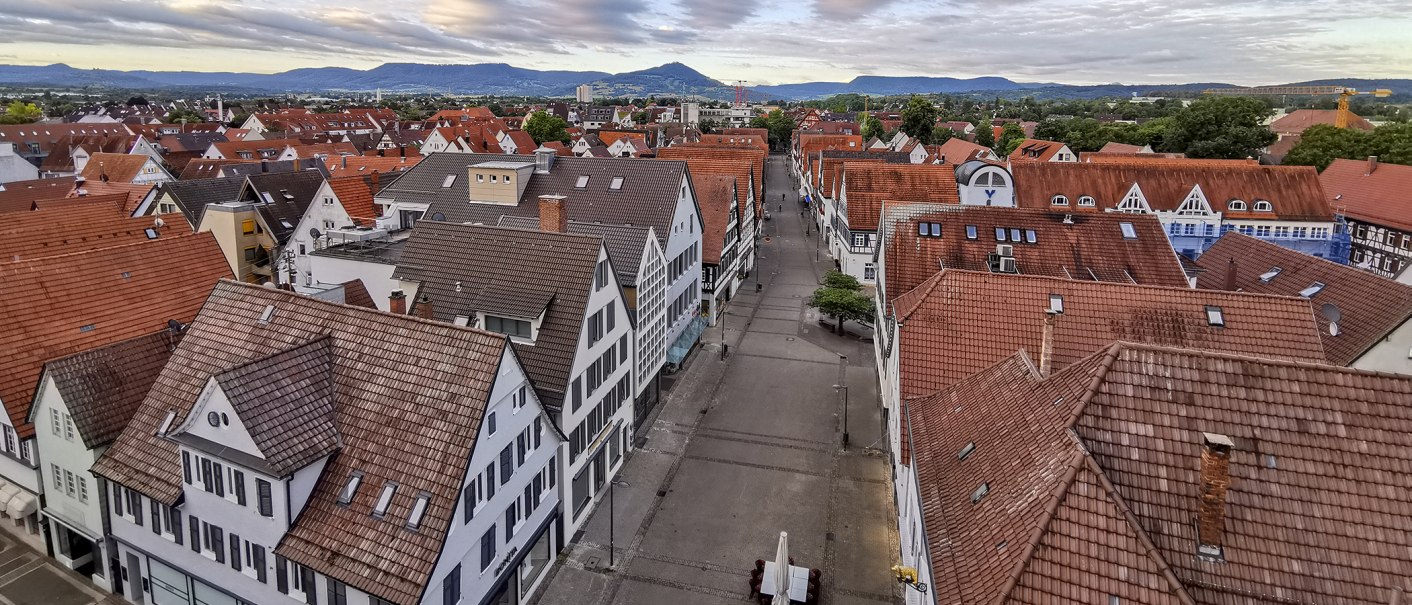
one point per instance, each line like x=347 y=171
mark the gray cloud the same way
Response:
x=848 y=9
x=719 y=15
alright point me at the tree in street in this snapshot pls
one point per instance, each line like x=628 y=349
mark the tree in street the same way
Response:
x=1221 y=127
x=543 y=127
x=918 y=119
x=20 y=112
x=841 y=299
x=780 y=126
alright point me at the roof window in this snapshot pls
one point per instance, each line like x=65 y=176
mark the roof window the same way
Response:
x=582 y=182
x=1030 y=236
x=419 y=508
x=999 y=234
x=1264 y=206
x=1235 y=205
x=385 y=499
x=150 y=233
x=1128 y=231
x=1087 y=201
x=966 y=451
x=350 y=488
x=1059 y=200
x=1215 y=317
x=267 y=314
x=1269 y=275
x=980 y=493
x=929 y=229
x=1056 y=303
x=1313 y=289
x=970 y=232
x=446 y=184
x=616 y=183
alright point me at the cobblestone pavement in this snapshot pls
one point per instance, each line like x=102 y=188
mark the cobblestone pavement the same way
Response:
x=27 y=577
x=749 y=446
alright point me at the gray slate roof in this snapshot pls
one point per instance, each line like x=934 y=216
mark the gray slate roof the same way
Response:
x=516 y=273
x=393 y=376
x=282 y=198
x=102 y=387
x=648 y=197
x=624 y=244
x=192 y=196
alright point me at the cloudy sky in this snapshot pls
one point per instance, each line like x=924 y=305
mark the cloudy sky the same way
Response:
x=761 y=41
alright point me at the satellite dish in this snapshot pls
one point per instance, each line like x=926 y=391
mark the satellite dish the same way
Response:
x=159 y=223
x=437 y=216
x=175 y=326
x=314 y=233
x=1332 y=314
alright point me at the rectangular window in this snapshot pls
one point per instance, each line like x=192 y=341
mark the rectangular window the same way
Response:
x=487 y=548
x=490 y=481
x=266 y=498
x=219 y=473
x=195 y=525
x=54 y=420
x=281 y=575
x=206 y=482
x=512 y=517
x=186 y=467
x=306 y=580
x=217 y=544
x=521 y=447
x=82 y=489
x=235 y=552
x=576 y=395
x=507 y=465
x=257 y=561
x=247 y=227
x=238 y=485
x=538 y=431
x=58 y=475
x=611 y=314
x=337 y=592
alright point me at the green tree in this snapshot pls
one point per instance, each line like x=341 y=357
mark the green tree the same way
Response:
x=176 y=116
x=709 y=126
x=872 y=126
x=1221 y=127
x=780 y=126
x=841 y=299
x=20 y=112
x=1011 y=135
x=496 y=108
x=919 y=119
x=1391 y=143
x=1321 y=144
x=985 y=134
x=942 y=135
x=639 y=118
x=544 y=127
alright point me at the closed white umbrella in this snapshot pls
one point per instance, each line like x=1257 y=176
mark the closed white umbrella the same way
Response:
x=782 y=571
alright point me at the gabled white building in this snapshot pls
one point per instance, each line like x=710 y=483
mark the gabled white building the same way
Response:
x=237 y=482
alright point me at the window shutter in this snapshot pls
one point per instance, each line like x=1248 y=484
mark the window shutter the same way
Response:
x=267 y=506
x=611 y=315
x=306 y=579
x=257 y=559
x=468 y=501
x=136 y=505
x=507 y=464
x=510 y=523
x=218 y=543
x=239 y=486
x=490 y=481
x=206 y=475
x=156 y=512
x=281 y=575
x=118 y=499
x=220 y=474
x=235 y=552
x=176 y=525
x=186 y=467
x=195 y=525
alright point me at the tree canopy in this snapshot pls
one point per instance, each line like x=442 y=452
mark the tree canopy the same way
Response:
x=985 y=134
x=841 y=299
x=872 y=126
x=780 y=126
x=1011 y=135
x=20 y=112
x=1321 y=144
x=544 y=127
x=919 y=119
x=1221 y=127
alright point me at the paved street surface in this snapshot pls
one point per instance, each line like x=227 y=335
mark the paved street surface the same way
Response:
x=748 y=447
x=27 y=577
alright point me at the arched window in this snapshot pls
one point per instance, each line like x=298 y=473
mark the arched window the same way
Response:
x=996 y=180
x=1059 y=200
x=1235 y=205
x=1264 y=206
x=1087 y=200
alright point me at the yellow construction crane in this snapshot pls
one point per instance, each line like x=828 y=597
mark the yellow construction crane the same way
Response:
x=1341 y=120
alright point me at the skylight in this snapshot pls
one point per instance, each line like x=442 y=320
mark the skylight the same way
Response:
x=386 y=498
x=1313 y=289
x=980 y=493
x=350 y=488
x=1056 y=303
x=582 y=182
x=1030 y=236
x=1215 y=317
x=1128 y=231
x=150 y=233
x=966 y=451
x=970 y=232
x=268 y=313
x=450 y=178
x=1269 y=275
x=419 y=508
x=999 y=234
x=616 y=183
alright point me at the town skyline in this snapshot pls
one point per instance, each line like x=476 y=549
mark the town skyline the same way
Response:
x=1279 y=42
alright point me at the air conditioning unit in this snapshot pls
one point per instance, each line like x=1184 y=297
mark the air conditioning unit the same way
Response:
x=1004 y=250
x=1007 y=265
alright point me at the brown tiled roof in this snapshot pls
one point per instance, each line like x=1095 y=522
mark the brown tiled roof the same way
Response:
x=1294 y=191
x=19 y=196
x=114 y=167
x=362 y=165
x=716 y=196
x=465 y=269
x=136 y=193
x=285 y=402
x=956 y=151
x=827 y=166
x=202 y=168
x=50 y=136
x=113 y=201
x=282 y=198
x=736 y=140
x=1382 y=197
x=357 y=295
x=325 y=151
x=1169 y=159
x=756 y=157
x=864 y=186
x=1116 y=147
x=231 y=149
x=356 y=195
x=79 y=301
x=1371 y=306
x=959 y=322
x=1299 y=120
x=1312 y=481
x=1089 y=248
x=61 y=159
x=524 y=143
x=738 y=170
x=611 y=136
x=1034 y=150
x=377 y=407
x=51 y=232
x=103 y=386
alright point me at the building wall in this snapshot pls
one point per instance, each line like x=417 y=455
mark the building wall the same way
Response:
x=1382 y=250
x=19 y=467
x=651 y=336
x=324 y=214
x=13 y=167
x=377 y=277
x=685 y=235
x=70 y=454
x=1392 y=354
x=225 y=222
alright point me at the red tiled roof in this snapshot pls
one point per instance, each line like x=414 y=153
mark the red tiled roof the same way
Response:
x=19 y=196
x=362 y=165
x=737 y=170
x=64 y=230
x=356 y=195
x=231 y=149
x=1299 y=120
x=737 y=140
x=959 y=151
x=1116 y=147
x=75 y=302
x=756 y=158
x=864 y=186
x=559 y=148
x=326 y=150
x=1093 y=491
x=114 y=167
x=715 y=194
x=523 y=141
x=1382 y=197
x=49 y=136
x=1034 y=150
x=1371 y=306
x=1089 y=248
x=611 y=136
x=136 y=193
x=958 y=322
x=61 y=159
x=1294 y=191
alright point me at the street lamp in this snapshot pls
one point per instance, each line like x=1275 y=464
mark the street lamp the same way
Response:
x=611 y=546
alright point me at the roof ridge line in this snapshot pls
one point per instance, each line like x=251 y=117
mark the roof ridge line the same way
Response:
x=1178 y=589
x=249 y=362
x=1276 y=361
x=178 y=237
x=1056 y=498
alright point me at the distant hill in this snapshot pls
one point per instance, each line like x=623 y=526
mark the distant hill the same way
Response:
x=671 y=79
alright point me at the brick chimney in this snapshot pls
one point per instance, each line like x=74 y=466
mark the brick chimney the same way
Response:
x=1046 y=344
x=1372 y=164
x=423 y=308
x=397 y=303
x=1231 y=281
x=552 y=214
x=375 y=182
x=1215 y=480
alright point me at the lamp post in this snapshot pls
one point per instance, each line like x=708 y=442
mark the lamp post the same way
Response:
x=612 y=548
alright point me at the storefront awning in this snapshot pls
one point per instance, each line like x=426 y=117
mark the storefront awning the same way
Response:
x=22 y=505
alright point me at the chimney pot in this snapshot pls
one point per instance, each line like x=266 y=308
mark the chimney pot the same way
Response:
x=1231 y=281
x=424 y=308
x=552 y=214
x=1372 y=163
x=1215 y=480
x=397 y=303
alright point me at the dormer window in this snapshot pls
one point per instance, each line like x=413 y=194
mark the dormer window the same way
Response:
x=506 y=179
x=1059 y=200
x=1264 y=206
x=385 y=499
x=492 y=178
x=1235 y=206
x=515 y=328
x=350 y=488
x=1087 y=201
x=480 y=178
